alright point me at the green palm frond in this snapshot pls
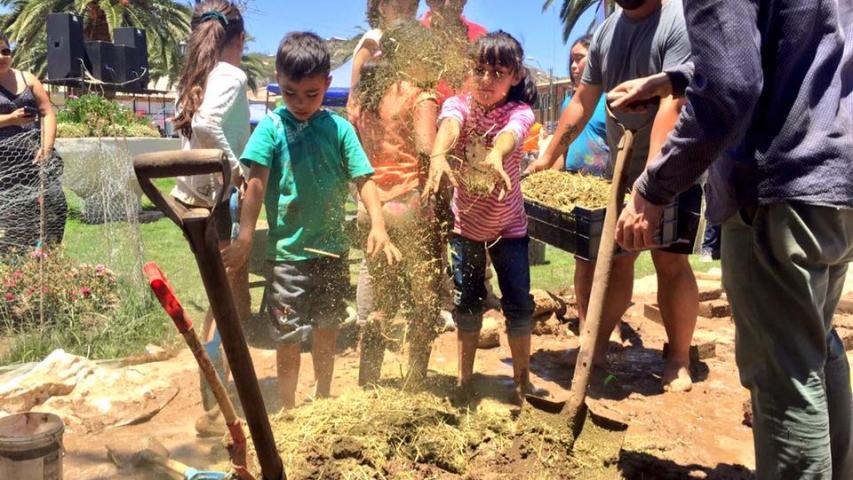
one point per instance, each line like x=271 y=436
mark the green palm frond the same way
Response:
x=571 y=11
x=257 y=70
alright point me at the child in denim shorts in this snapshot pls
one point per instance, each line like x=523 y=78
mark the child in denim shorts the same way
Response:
x=302 y=159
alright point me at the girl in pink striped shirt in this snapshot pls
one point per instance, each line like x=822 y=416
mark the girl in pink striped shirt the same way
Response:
x=481 y=132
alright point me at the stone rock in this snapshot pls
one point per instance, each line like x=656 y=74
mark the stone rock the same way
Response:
x=715 y=309
x=545 y=302
x=490 y=336
x=547 y=324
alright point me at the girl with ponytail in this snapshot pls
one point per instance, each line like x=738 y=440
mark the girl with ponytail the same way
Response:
x=213 y=112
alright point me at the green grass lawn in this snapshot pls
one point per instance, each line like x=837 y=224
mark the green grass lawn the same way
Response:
x=164 y=243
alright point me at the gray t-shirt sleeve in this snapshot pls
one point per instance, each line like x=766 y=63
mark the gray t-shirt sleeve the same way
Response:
x=592 y=73
x=677 y=43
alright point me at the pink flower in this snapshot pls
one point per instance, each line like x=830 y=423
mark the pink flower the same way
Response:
x=10 y=283
x=38 y=253
x=86 y=292
x=100 y=268
x=18 y=274
x=9 y=296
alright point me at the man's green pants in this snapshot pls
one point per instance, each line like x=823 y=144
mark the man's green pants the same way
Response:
x=784 y=267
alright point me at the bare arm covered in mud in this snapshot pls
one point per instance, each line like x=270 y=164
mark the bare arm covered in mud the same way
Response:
x=505 y=144
x=571 y=124
x=236 y=255
x=425 y=120
x=378 y=239
x=448 y=134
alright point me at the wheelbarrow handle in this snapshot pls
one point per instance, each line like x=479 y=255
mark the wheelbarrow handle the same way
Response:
x=166 y=296
x=148 y=166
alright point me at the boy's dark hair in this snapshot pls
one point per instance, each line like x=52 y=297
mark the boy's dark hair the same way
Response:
x=301 y=55
x=501 y=48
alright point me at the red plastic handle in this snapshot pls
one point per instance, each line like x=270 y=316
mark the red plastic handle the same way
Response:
x=166 y=295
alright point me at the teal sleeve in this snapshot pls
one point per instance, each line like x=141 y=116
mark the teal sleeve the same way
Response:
x=356 y=160
x=262 y=144
x=565 y=104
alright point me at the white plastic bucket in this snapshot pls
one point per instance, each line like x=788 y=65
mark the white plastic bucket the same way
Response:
x=31 y=446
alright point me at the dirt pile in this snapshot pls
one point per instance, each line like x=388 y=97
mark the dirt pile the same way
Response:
x=564 y=191
x=387 y=433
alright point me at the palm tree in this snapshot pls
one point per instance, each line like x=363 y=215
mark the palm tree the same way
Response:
x=166 y=22
x=571 y=11
x=258 y=69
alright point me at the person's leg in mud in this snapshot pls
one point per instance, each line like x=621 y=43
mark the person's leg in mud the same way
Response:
x=292 y=288
x=783 y=270
x=330 y=280
x=678 y=294
x=371 y=343
x=381 y=287
x=287 y=361
x=468 y=259
x=678 y=298
x=425 y=277
x=616 y=304
x=512 y=266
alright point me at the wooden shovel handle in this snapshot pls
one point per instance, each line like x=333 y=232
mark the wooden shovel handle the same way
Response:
x=601 y=278
x=148 y=166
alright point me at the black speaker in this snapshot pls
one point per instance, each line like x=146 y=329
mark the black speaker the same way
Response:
x=102 y=61
x=125 y=68
x=136 y=57
x=65 y=49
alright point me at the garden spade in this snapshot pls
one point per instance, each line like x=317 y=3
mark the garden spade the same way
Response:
x=573 y=412
x=200 y=231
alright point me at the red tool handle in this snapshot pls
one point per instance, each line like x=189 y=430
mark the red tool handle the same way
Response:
x=166 y=295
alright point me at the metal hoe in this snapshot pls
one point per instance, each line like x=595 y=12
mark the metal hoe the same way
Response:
x=200 y=231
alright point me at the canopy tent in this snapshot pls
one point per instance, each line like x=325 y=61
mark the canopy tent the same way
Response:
x=338 y=92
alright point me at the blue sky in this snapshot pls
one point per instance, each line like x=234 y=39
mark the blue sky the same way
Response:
x=540 y=32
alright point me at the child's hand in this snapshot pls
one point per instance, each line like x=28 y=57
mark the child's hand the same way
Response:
x=438 y=168
x=495 y=161
x=234 y=256
x=379 y=241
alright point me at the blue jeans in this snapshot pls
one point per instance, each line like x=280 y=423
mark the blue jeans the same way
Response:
x=509 y=257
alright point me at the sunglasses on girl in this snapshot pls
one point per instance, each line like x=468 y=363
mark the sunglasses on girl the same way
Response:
x=6 y=52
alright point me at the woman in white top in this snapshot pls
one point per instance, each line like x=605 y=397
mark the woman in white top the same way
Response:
x=380 y=14
x=213 y=112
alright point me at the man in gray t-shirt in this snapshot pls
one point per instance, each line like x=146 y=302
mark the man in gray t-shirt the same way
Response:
x=624 y=49
x=643 y=38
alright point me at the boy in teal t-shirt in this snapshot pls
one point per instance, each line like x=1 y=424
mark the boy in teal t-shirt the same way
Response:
x=302 y=159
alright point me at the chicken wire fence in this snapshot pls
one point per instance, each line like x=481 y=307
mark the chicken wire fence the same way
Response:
x=69 y=231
